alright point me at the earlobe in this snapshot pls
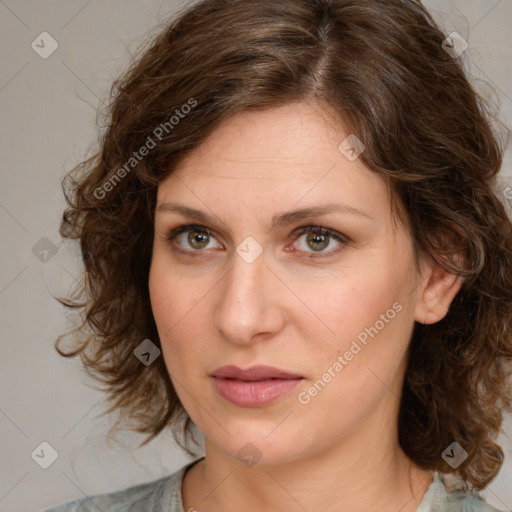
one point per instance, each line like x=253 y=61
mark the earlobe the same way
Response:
x=437 y=296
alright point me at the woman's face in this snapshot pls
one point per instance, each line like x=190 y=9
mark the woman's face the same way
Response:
x=255 y=289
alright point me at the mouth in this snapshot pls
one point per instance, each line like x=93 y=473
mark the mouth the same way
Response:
x=254 y=387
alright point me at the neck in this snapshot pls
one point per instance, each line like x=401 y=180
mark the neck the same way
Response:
x=374 y=479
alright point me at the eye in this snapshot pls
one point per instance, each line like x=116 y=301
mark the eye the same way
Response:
x=193 y=237
x=318 y=238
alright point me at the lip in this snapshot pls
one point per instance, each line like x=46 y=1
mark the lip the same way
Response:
x=255 y=386
x=258 y=372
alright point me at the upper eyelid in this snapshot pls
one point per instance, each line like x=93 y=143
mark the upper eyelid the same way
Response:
x=199 y=227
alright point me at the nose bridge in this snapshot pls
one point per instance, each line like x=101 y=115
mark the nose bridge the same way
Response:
x=245 y=276
x=246 y=306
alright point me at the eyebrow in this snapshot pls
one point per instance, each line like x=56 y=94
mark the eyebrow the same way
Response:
x=280 y=219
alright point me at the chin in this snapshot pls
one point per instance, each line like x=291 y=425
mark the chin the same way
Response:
x=259 y=450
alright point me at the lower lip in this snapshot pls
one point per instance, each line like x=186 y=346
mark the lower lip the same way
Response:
x=254 y=393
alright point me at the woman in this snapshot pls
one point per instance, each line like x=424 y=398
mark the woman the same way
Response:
x=293 y=241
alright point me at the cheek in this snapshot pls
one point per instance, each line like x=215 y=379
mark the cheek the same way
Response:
x=349 y=303
x=163 y=298
x=360 y=364
x=173 y=296
x=178 y=309
x=367 y=319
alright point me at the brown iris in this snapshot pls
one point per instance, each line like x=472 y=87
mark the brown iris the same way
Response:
x=198 y=239
x=321 y=241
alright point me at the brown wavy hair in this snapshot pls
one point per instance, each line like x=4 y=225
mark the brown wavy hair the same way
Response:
x=381 y=67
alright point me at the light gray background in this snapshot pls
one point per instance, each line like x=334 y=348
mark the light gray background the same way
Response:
x=48 y=113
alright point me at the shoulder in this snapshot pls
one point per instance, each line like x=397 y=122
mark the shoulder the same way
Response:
x=147 y=495
x=155 y=496
x=459 y=502
x=437 y=499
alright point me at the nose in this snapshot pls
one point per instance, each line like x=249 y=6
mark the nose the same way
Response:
x=249 y=304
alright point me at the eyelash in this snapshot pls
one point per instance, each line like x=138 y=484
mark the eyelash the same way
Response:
x=317 y=230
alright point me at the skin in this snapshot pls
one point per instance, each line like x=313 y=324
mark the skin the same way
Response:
x=290 y=311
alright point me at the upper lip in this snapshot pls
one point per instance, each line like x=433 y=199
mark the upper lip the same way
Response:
x=258 y=372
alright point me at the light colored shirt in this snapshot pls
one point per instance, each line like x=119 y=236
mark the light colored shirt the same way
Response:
x=164 y=495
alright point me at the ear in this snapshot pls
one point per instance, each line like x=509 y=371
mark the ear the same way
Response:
x=439 y=289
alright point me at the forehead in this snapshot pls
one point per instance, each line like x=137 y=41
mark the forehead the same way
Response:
x=290 y=151
x=293 y=133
